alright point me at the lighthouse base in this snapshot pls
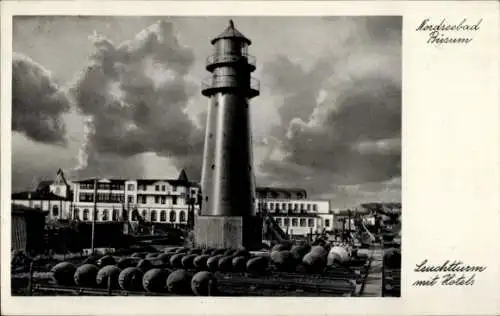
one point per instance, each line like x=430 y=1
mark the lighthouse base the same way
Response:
x=228 y=232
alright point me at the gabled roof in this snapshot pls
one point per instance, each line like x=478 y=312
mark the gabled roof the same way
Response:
x=183 y=176
x=38 y=195
x=231 y=32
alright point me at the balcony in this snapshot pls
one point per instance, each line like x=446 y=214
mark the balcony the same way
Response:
x=212 y=85
x=216 y=60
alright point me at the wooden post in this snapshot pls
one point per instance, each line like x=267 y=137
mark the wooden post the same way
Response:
x=109 y=286
x=30 y=280
x=93 y=217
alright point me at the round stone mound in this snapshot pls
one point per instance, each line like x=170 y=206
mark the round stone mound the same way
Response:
x=144 y=265
x=200 y=262
x=204 y=283
x=314 y=263
x=179 y=282
x=213 y=263
x=130 y=279
x=108 y=274
x=284 y=261
x=155 y=280
x=63 y=273
x=86 y=275
x=239 y=264
x=225 y=264
x=187 y=261
x=257 y=266
x=176 y=261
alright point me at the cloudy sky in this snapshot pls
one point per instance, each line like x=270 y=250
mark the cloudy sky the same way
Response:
x=120 y=97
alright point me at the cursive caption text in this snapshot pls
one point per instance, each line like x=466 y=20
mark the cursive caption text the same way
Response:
x=449 y=33
x=448 y=273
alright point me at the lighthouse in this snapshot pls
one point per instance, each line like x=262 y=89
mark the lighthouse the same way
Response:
x=227 y=218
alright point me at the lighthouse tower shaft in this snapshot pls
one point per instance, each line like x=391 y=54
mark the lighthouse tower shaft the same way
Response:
x=227 y=216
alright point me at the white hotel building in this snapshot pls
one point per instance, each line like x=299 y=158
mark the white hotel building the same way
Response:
x=294 y=212
x=156 y=200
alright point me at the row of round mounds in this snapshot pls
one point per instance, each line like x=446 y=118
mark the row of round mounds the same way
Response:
x=133 y=279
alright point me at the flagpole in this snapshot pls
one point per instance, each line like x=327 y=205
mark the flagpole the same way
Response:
x=93 y=217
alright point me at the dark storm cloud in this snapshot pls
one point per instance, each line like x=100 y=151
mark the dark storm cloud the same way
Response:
x=136 y=95
x=341 y=120
x=37 y=102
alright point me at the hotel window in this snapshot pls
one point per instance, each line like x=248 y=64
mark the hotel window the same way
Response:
x=157 y=199
x=290 y=206
x=295 y=206
x=278 y=221
x=130 y=199
x=157 y=188
x=163 y=188
x=143 y=214
x=174 y=200
x=302 y=222
x=301 y=206
x=103 y=186
x=153 y=216
x=115 y=215
x=315 y=207
x=174 y=188
x=308 y=207
x=105 y=215
x=86 y=197
x=283 y=206
x=130 y=187
x=76 y=214
x=163 y=200
x=295 y=222
x=327 y=222
x=310 y=222
x=271 y=206
x=163 y=216
x=85 y=214
x=86 y=186
x=287 y=222
x=182 y=216
x=55 y=211
x=173 y=216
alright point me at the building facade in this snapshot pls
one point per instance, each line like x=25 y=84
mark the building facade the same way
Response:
x=156 y=200
x=53 y=198
x=294 y=212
